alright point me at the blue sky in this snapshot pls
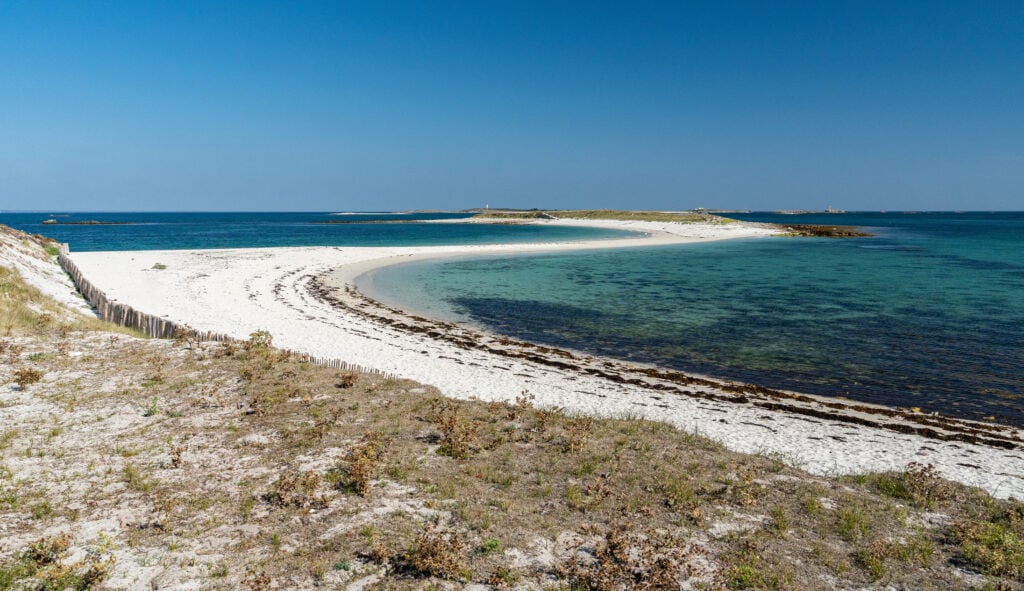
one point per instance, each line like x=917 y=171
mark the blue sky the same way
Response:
x=389 y=105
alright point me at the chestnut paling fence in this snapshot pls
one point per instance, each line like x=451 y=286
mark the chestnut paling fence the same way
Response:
x=161 y=328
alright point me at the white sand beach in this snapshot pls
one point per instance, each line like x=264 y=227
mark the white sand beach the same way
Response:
x=238 y=291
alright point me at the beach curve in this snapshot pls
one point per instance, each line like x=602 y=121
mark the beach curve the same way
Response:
x=299 y=296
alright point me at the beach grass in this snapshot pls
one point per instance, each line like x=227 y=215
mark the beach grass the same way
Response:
x=24 y=310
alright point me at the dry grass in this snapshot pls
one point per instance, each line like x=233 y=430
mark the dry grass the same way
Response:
x=24 y=310
x=240 y=475
x=499 y=478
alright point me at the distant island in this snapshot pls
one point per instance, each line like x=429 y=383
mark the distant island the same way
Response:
x=699 y=215
x=53 y=222
x=829 y=209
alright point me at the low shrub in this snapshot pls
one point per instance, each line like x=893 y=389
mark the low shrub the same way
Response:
x=26 y=376
x=438 y=553
x=364 y=460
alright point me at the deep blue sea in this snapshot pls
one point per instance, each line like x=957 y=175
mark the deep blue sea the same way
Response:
x=928 y=313
x=167 y=231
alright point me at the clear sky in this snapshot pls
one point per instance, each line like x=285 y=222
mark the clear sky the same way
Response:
x=388 y=105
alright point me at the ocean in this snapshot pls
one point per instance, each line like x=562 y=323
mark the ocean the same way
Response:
x=927 y=313
x=194 y=230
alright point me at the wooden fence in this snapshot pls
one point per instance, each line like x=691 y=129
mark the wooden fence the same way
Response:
x=161 y=328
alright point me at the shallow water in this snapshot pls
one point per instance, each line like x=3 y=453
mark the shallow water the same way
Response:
x=929 y=313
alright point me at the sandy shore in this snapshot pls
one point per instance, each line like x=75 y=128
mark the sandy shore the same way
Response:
x=303 y=297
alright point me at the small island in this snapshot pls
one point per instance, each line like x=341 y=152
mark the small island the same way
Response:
x=54 y=222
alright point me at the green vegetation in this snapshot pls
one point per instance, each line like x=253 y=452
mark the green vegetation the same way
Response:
x=994 y=543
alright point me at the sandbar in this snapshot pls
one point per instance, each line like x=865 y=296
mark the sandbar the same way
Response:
x=305 y=298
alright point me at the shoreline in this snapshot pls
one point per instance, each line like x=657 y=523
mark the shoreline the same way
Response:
x=349 y=299
x=295 y=293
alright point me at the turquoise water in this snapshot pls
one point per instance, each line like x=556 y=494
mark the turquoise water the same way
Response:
x=176 y=230
x=928 y=313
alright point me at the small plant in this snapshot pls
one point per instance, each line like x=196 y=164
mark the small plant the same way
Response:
x=679 y=493
x=503 y=577
x=44 y=320
x=185 y=337
x=545 y=417
x=48 y=550
x=296 y=489
x=44 y=560
x=438 y=553
x=625 y=558
x=157 y=363
x=218 y=570
x=926 y=485
x=248 y=502
x=159 y=266
x=872 y=558
x=260 y=340
x=256 y=580
x=574 y=497
x=458 y=435
x=852 y=524
x=489 y=546
x=7 y=437
x=177 y=459
x=43 y=510
x=134 y=478
x=364 y=460
x=380 y=552
x=746 y=576
x=347 y=380
x=324 y=425
x=151 y=410
x=577 y=432
x=779 y=523
x=26 y=376
x=524 y=403
x=227 y=349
